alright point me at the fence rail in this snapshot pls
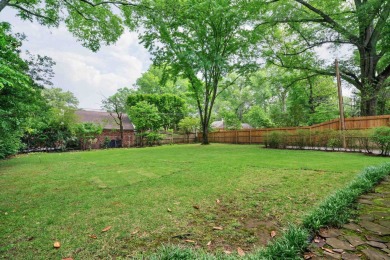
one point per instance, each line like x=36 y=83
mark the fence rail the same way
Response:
x=258 y=136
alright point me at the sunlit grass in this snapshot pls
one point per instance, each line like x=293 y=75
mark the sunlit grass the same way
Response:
x=147 y=196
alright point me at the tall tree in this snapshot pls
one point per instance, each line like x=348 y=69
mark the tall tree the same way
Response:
x=116 y=106
x=202 y=40
x=297 y=27
x=20 y=98
x=171 y=108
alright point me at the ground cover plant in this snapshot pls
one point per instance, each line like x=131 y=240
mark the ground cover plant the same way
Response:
x=179 y=195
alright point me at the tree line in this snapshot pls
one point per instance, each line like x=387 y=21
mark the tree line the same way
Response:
x=262 y=55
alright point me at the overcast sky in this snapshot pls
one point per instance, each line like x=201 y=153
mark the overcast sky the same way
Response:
x=90 y=76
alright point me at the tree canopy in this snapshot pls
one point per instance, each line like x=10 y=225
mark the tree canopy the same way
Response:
x=295 y=28
x=92 y=22
x=201 y=40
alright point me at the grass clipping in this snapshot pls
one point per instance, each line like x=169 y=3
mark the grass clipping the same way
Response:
x=333 y=211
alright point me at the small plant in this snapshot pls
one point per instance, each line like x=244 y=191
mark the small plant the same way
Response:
x=302 y=139
x=277 y=140
x=153 y=138
x=334 y=143
x=106 y=142
x=381 y=136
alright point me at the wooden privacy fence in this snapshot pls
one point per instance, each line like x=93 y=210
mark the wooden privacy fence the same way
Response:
x=258 y=136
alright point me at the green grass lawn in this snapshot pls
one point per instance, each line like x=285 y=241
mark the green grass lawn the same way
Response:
x=148 y=196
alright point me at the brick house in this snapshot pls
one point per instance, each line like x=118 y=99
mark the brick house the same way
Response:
x=110 y=128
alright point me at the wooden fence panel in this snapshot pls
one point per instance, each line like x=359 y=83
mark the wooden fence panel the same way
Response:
x=258 y=136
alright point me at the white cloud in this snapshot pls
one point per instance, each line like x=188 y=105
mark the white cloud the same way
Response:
x=90 y=76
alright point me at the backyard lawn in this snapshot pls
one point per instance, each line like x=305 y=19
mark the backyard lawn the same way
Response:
x=231 y=195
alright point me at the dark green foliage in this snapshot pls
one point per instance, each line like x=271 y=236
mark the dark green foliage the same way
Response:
x=87 y=133
x=153 y=138
x=335 y=210
x=301 y=139
x=381 y=136
x=171 y=108
x=277 y=139
x=290 y=245
x=20 y=99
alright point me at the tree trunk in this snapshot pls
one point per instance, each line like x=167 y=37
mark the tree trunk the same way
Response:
x=121 y=131
x=205 y=134
x=368 y=102
x=3 y=4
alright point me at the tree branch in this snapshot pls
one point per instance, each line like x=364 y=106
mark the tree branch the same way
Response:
x=79 y=12
x=384 y=74
x=3 y=4
x=327 y=19
x=33 y=13
x=380 y=24
x=315 y=45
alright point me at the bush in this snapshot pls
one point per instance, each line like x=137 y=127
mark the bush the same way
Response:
x=301 y=139
x=381 y=136
x=153 y=138
x=277 y=140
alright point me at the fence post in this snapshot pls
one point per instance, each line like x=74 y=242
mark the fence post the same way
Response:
x=236 y=136
x=250 y=136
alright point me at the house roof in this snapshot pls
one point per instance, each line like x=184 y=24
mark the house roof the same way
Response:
x=221 y=125
x=104 y=119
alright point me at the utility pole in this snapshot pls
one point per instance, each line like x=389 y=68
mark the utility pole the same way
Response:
x=341 y=108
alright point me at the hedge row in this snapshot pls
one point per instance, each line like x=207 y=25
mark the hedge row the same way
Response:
x=356 y=140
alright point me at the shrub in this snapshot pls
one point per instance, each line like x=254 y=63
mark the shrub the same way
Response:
x=277 y=140
x=381 y=136
x=153 y=138
x=301 y=139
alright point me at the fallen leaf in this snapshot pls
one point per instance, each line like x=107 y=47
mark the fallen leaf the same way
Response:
x=218 y=201
x=106 y=229
x=316 y=240
x=240 y=251
x=218 y=228
x=327 y=250
x=68 y=258
x=227 y=252
x=93 y=236
x=169 y=210
x=196 y=207
x=134 y=232
x=57 y=244
x=309 y=255
x=189 y=241
x=209 y=243
x=273 y=233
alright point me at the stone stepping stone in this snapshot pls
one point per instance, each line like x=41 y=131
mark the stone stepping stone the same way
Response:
x=352 y=226
x=367 y=217
x=377 y=244
x=380 y=214
x=386 y=250
x=318 y=242
x=331 y=232
x=374 y=254
x=385 y=223
x=381 y=230
x=375 y=238
x=384 y=203
x=355 y=240
x=332 y=256
x=339 y=244
x=365 y=201
x=368 y=197
x=348 y=256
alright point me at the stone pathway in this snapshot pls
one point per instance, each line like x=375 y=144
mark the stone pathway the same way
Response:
x=366 y=237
